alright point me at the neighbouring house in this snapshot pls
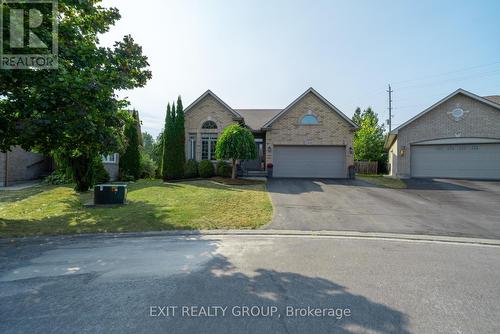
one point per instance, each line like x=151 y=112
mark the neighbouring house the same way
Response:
x=18 y=165
x=111 y=164
x=457 y=137
x=310 y=138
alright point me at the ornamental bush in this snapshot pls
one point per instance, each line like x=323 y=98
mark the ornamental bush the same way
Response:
x=206 y=168
x=235 y=143
x=148 y=166
x=191 y=169
x=223 y=169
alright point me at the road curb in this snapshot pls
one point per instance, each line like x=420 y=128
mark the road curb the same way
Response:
x=268 y=233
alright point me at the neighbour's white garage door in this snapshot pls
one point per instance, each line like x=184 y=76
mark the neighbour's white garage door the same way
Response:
x=469 y=161
x=309 y=161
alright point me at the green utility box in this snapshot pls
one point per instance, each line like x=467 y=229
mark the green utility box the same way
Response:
x=110 y=194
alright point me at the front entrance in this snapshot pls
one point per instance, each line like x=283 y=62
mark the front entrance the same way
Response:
x=256 y=164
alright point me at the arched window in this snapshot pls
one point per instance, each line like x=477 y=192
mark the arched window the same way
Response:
x=209 y=125
x=309 y=119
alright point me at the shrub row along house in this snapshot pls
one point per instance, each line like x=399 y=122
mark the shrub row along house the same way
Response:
x=308 y=138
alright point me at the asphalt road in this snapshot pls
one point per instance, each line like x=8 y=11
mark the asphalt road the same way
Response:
x=432 y=207
x=134 y=285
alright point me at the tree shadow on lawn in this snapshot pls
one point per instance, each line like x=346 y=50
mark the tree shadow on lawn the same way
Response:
x=201 y=183
x=8 y=196
x=212 y=184
x=76 y=219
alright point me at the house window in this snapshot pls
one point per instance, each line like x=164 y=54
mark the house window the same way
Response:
x=209 y=125
x=208 y=142
x=109 y=158
x=309 y=120
x=192 y=146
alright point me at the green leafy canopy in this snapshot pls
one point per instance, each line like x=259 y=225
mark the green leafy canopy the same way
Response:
x=236 y=143
x=73 y=110
x=369 y=139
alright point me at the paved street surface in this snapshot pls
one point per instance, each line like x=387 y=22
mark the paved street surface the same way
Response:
x=433 y=207
x=119 y=285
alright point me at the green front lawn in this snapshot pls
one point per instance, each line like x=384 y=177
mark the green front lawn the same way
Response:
x=380 y=180
x=152 y=206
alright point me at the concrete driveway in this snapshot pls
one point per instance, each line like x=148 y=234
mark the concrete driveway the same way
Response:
x=435 y=207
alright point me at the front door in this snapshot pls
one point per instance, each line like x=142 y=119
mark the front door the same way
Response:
x=258 y=163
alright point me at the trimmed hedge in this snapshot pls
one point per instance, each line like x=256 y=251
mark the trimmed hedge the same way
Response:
x=206 y=168
x=223 y=169
x=191 y=169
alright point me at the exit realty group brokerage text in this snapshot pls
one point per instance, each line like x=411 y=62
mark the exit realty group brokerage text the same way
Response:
x=209 y=311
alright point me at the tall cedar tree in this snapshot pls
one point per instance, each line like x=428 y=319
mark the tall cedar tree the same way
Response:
x=173 y=143
x=180 y=150
x=130 y=161
x=165 y=155
x=72 y=111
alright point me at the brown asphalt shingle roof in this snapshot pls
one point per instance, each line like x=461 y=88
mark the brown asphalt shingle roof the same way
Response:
x=493 y=98
x=256 y=118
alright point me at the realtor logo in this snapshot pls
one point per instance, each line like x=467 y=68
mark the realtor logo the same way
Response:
x=28 y=34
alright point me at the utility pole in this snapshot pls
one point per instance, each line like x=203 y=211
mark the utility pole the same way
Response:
x=389 y=121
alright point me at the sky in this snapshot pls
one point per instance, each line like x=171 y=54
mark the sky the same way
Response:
x=264 y=54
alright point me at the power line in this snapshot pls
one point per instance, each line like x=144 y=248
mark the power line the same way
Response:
x=449 y=72
x=475 y=76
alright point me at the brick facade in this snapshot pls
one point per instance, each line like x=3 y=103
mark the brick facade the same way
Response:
x=331 y=130
x=22 y=166
x=208 y=109
x=480 y=121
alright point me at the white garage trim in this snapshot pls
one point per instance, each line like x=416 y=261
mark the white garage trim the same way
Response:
x=309 y=161
x=445 y=141
x=468 y=161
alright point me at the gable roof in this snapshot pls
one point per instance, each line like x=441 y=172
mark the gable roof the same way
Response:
x=256 y=118
x=209 y=92
x=455 y=93
x=493 y=98
x=493 y=101
x=318 y=95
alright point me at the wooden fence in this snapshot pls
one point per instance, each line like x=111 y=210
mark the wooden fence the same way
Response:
x=366 y=167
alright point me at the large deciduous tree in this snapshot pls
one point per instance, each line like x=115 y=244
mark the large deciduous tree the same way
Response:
x=73 y=111
x=235 y=143
x=369 y=139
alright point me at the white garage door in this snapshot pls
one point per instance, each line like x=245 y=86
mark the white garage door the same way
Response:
x=309 y=161
x=470 y=161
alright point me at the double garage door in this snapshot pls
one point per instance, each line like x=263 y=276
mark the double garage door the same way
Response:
x=470 y=161
x=309 y=161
